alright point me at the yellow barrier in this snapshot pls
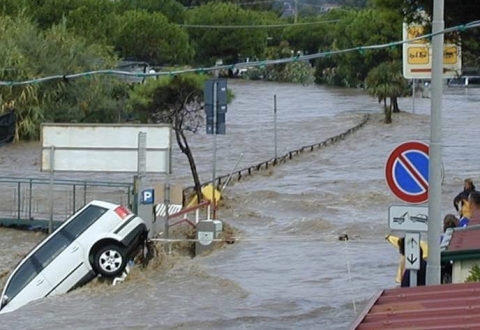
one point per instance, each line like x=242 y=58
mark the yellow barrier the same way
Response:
x=207 y=194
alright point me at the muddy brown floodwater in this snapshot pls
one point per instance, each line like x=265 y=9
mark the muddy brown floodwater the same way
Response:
x=292 y=271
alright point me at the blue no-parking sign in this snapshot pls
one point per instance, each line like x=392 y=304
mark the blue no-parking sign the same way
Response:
x=406 y=172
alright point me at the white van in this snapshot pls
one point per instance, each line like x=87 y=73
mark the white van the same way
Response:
x=99 y=239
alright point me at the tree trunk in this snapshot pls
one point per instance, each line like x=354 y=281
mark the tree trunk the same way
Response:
x=394 y=101
x=388 y=111
x=185 y=148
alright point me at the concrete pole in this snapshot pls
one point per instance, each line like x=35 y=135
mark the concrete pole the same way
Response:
x=413 y=95
x=435 y=152
x=295 y=17
x=214 y=160
x=275 y=125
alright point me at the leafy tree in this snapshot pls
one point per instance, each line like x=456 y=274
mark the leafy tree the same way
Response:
x=27 y=52
x=93 y=20
x=149 y=37
x=49 y=12
x=226 y=44
x=177 y=101
x=172 y=9
x=296 y=71
x=474 y=274
x=386 y=81
x=359 y=29
x=12 y=7
x=308 y=38
x=456 y=14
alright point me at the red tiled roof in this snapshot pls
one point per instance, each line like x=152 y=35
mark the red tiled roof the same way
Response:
x=474 y=220
x=467 y=238
x=447 y=306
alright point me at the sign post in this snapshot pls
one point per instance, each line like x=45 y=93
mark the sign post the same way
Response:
x=435 y=182
x=275 y=125
x=412 y=256
x=215 y=95
x=51 y=188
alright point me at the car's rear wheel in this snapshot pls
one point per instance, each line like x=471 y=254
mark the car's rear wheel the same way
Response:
x=110 y=261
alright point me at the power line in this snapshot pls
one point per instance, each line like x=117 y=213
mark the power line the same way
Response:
x=258 y=26
x=361 y=49
x=242 y=3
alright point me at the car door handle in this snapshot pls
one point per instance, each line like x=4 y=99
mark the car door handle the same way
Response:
x=39 y=282
x=75 y=249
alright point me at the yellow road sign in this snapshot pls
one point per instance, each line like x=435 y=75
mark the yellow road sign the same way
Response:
x=450 y=55
x=418 y=55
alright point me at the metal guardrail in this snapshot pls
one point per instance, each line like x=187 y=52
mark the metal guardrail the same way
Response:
x=28 y=198
x=248 y=171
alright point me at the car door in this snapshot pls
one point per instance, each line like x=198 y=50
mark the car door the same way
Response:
x=25 y=284
x=66 y=262
x=61 y=261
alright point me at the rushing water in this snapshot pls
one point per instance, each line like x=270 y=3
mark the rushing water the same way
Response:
x=292 y=272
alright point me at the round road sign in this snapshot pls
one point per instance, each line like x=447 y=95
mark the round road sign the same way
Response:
x=406 y=172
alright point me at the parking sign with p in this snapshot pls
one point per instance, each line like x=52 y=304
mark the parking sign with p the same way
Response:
x=148 y=196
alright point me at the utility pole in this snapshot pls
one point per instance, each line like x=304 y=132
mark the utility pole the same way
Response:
x=435 y=151
x=296 y=12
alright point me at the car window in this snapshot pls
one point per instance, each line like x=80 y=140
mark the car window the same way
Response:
x=20 y=279
x=84 y=220
x=474 y=81
x=458 y=81
x=51 y=249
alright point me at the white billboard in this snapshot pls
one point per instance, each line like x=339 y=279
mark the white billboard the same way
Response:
x=417 y=55
x=104 y=147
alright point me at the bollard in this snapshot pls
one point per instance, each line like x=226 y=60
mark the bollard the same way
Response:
x=207 y=231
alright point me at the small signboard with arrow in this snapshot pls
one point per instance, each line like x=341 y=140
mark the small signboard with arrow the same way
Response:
x=412 y=251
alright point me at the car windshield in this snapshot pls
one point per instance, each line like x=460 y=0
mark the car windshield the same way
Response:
x=24 y=275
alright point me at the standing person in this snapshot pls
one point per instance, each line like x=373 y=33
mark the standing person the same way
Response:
x=474 y=200
x=449 y=222
x=462 y=197
x=421 y=273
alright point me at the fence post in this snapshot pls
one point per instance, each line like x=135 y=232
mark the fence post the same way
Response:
x=84 y=193
x=19 y=186
x=30 y=184
x=129 y=191
x=74 y=198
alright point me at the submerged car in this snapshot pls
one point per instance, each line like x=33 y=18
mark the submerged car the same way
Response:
x=99 y=239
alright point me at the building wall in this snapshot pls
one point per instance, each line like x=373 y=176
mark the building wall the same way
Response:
x=461 y=270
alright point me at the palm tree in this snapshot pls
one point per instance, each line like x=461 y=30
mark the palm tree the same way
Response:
x=386 y=81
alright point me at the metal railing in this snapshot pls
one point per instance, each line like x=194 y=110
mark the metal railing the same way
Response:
x=29 y=198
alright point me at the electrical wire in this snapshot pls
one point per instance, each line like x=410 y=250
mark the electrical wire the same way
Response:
x=260 y=64
x=262 y=26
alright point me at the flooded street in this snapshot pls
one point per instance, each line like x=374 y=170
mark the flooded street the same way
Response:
x=291 y=271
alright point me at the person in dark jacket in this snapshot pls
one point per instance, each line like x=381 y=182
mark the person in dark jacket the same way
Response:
x=421 y=273
x=468 y=187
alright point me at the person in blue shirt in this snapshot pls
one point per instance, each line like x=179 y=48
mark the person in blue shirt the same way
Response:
x=421 y=273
